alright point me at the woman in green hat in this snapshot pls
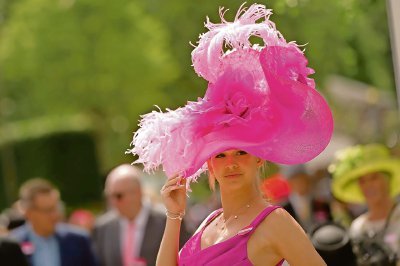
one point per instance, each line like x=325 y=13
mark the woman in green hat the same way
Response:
x=367 y=174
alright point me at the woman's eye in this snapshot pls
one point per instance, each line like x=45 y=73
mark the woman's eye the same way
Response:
x=242 y=152
x=221 y=155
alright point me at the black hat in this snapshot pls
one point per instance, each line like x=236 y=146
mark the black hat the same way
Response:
x=333 y=244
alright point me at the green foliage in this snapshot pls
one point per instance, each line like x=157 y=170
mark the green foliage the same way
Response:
x=111 y=59
x=67 y=156
x=84 y=56
x=344 y=37
x=117 y=59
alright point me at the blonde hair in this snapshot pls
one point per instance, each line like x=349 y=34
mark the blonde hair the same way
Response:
x=211 y=181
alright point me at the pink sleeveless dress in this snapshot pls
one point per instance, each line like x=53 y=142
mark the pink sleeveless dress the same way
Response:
x=230 y=252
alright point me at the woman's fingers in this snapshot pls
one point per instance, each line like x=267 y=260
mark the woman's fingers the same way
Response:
x=173 y=183
x=172 y=188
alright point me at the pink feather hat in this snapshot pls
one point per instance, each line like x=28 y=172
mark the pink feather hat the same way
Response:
x=259 y=99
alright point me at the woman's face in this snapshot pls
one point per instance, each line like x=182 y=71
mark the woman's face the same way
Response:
x=234 y=167
x=374 y=186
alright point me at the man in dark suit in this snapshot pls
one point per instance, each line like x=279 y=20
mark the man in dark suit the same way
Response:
x=130 y=233
x=304 y=207
x=11 y=254
x=44 y=240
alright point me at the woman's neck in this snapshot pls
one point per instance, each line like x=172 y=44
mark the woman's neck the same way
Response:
x=233 y=203
x=380 y=210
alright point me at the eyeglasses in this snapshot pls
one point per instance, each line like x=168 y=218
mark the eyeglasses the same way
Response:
x=117 y=195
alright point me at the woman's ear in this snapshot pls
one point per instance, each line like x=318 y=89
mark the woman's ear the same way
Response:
x=260 y=162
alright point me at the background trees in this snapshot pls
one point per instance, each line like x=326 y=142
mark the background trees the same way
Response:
x=114 y=60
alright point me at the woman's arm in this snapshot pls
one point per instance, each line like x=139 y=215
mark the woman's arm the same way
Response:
x=173 y=194
x=290 y=241
x=168 y=252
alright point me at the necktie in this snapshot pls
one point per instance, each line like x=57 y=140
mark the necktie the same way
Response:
x=129 y=245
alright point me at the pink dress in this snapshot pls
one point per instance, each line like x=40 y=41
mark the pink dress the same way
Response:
x=232 y=251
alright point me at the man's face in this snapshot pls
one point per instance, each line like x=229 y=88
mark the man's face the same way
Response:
x=300 y=184
x=44 y=213
x=125 y=196
x=374 y=186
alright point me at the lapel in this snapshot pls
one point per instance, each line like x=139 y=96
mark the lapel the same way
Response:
x=147 y=232
x=153 y=233
x=61 y=247
x=113 y=243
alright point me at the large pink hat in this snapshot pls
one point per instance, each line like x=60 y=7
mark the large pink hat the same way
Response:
x=259 y=99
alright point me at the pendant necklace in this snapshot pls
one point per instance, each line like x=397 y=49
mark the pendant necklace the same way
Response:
x=232 y=217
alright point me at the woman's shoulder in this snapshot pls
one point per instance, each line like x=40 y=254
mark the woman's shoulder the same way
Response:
x=277 y=217
x=276 y=231
x=279 y=223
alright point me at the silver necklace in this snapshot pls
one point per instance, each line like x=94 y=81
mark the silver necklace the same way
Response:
x=232 y=217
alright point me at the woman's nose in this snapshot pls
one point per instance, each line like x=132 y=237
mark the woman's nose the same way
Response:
x=231 y=162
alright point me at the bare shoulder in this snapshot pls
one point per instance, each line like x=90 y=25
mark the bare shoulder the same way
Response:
x=276 y=228
x=286 y=237
x=279 y=224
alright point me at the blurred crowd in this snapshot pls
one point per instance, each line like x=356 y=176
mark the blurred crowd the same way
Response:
x=349 y=210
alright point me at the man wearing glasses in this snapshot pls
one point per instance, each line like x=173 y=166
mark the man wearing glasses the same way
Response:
x=130 y=233
x=44 y=240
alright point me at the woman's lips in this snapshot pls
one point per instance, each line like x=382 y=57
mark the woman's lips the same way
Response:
x=233 y=175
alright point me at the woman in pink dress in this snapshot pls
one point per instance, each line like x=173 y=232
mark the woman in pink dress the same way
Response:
x=246 y=231
x=259 y=106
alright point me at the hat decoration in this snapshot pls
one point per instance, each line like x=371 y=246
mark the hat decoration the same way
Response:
x=259 y=99
x=356 y=161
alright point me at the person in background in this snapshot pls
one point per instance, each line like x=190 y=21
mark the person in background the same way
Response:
x=130 y=233
x=367 y=174
x=301 y=204
x=46 y=241
x=12 y=217
x=11 y=253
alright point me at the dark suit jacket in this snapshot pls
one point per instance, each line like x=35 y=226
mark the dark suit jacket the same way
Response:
x=320 y=212
x=11 y=253
x=107 y=242
x=74 y=244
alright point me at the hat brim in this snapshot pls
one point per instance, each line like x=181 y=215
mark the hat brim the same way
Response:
x=346 y=187
x=269 y=115
x=292 y=127
x=259 y=99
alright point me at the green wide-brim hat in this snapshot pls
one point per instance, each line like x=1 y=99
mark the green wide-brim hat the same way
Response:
x=354 y=162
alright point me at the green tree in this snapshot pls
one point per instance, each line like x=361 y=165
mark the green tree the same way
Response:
x=60 y=57
x=119 y=58
x=344 y=37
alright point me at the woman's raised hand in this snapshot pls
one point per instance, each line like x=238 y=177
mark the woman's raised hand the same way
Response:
x=173 y=194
